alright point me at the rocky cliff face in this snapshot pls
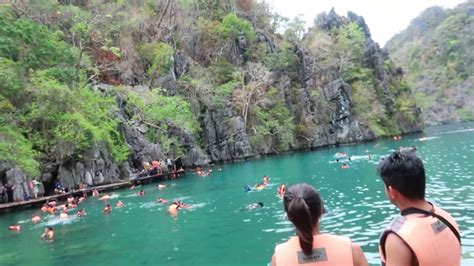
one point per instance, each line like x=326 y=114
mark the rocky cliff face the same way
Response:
x=435 y=51
x=252 y=92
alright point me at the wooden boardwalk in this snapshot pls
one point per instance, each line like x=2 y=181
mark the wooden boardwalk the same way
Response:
x=33 y=203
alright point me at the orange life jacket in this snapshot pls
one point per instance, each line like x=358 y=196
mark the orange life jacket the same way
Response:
x=327 y=250
x=432 y=237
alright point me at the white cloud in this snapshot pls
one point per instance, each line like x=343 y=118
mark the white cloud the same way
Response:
x=384 y=17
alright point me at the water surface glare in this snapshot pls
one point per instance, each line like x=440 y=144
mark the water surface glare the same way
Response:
x=216 y=231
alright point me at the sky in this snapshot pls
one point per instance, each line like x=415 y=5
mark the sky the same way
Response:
x=385 y=18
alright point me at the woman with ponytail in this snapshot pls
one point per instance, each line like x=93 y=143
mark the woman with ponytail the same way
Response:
x=304 y=208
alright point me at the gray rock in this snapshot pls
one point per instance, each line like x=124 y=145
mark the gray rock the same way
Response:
x=17 y=177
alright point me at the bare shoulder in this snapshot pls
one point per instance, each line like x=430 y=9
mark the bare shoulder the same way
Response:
x=273 y=261
x=358 y=255
x=397 y=252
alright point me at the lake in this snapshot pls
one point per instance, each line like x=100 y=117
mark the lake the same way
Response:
x=216 y=230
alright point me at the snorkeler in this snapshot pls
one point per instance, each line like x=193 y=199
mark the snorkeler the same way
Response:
x=107 y=209
x=48 y=233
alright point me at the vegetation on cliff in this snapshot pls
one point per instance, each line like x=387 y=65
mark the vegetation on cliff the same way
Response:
x=190 y=75
x=436 y=54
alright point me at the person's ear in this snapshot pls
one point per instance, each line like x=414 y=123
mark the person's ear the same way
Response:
x=392 y=193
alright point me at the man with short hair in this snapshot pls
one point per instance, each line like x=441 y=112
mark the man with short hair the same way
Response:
x=424 y=234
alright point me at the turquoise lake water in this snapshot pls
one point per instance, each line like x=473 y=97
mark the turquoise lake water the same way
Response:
x=215 y=231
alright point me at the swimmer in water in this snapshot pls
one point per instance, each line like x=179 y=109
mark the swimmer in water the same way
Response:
x=266 y=180
x=81 y=213
x=253 y=206
x=51 y=210
x=161 y=186
x=107 y=209
x=120 y=204
x=70 y=199
x=141 y=193
x=344 y=166
x=95 y=193
x=48 y=233
x=260 y=186
x=247 y=188
x=15 y=227
x=44 y=208
x=161 y=200
x=281 y=191
x=63 y=215
x=105 y=197
x=35 y=218
x=173 y=208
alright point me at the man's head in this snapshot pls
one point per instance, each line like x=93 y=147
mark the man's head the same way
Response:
x=405 y=173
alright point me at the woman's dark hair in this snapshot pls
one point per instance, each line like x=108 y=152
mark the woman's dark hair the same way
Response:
x=303 y=206
x=405 y=172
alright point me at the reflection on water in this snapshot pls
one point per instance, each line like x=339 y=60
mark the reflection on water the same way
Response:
x=143 y=233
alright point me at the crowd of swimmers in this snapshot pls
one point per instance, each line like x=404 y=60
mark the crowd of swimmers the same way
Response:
x=52 y=207
x=423 y=233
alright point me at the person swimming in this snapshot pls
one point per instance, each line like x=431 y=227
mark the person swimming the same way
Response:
x=105 y=197
x=35 y=218
x=44 y=208
x=344 y=166
x=70 y=199
x=161 y=200
x=161 y=186
x=281 y=190
x=95 y=193
x=107 y=209
x=175 y=206
x=260 y=186
x=141 y=193
x=265 y=180
x=253 y=206
x=81 y=213
x=48 y=233
x=63 y=215
x=247 y=188
x=15 y=227
x=51 y=210
x=120 y=204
